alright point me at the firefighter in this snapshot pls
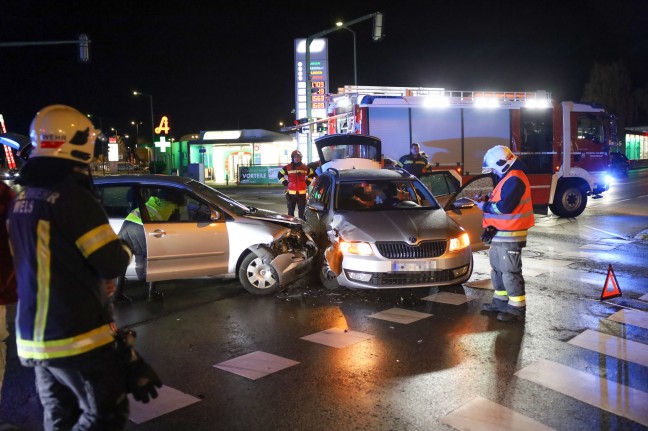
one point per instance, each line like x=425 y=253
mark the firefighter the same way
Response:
x=66 y=255
x=296 y=177
x=508 y=214
x=414 y=162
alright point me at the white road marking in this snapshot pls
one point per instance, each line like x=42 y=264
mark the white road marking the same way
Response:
x=448 y=298
x=337 y=337
x=610 y=345
x=400 y=315
x=256 y=364
x=480 y=414
x=605 y=394
x=606 y=232
x=644 y=297
x=168 y=400
x=631 y=317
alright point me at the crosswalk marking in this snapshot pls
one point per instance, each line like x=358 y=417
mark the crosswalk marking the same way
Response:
x=610 y=345
x=602 y=393
x=631 y=317
x=480 y=414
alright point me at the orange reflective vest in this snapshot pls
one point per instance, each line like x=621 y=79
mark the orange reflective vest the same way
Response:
x=298 y=176
x=513 y=226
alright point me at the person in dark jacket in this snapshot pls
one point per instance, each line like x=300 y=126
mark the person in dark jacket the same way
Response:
x=414 y=163
x=66 y=256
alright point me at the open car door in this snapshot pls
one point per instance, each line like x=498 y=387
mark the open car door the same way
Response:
x=462 y=209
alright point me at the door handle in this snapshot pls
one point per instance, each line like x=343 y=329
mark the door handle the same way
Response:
x=158 y=233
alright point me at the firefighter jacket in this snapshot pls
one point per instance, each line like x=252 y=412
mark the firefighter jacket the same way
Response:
x=509 y=208
x=296 y=177
x=8 y=293
x=416 y=166
x=63 y=249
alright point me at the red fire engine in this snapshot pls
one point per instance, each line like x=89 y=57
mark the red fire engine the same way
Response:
x=564 y=145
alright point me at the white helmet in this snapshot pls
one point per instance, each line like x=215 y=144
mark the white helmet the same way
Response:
x=499 y=160
x=62 y=132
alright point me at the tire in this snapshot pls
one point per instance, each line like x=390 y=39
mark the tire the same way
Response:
x=257 y=277
x=570 y=200
x=327 y=277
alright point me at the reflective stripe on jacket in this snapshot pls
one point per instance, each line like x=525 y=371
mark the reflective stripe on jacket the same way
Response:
x=511 y=226
x=298 y=176
x=415 y=166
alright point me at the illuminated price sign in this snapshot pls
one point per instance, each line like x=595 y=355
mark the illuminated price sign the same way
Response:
x=318 y=75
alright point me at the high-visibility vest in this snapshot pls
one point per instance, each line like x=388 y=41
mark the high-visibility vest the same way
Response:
x=513 y=226
x=158 y=209
x=298 y=177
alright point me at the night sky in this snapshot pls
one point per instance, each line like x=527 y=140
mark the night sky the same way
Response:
x=228 y=65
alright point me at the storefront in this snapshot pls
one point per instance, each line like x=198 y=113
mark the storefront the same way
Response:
x=222 y=152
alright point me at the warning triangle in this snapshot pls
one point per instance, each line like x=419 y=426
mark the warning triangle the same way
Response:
x=611 y=288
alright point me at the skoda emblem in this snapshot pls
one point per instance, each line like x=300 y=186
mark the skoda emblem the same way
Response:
x=412 y=239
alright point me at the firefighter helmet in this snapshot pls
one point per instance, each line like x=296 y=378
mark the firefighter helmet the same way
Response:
x=294 y=154
x=499 y=160
x=63 y=132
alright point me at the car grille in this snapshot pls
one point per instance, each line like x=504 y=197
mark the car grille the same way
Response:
x=403 y=250
x=407 y=278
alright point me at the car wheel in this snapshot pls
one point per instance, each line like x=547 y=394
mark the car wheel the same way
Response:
x=258 y=277
x=328 y=277
x=570 y=200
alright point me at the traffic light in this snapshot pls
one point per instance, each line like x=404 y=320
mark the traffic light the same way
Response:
x=84 y=48
x=301 y=121
x=378 y=27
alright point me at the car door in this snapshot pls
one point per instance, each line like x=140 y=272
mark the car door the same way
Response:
x=462 y=209
x=191 y=242
x=442 y=184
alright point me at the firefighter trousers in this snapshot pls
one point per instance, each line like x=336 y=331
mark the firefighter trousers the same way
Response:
x=296 y=200
x=506 y=274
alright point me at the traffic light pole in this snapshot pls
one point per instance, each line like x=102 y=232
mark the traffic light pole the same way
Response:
x=377 y=35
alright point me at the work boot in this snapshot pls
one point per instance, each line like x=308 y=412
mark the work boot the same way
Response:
x=497 y=306
x=512 y=314
x=153 y=293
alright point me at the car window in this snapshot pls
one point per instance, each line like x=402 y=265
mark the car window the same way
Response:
x=379 y=195
x=166 y=204
x=321 y=191
x=441 y=183
x=117 y=201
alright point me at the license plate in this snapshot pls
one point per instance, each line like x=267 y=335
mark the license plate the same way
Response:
x=425 y=265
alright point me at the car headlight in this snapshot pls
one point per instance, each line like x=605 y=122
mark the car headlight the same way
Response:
x=462 y=241
x=360 y=248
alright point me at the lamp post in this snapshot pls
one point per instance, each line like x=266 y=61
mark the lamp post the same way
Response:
x=355 y=57
x=377 y=35
x=138 y=93
x=136 y=124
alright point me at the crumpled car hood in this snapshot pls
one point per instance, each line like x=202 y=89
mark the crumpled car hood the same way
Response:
x=395 y=225
x=271 y=216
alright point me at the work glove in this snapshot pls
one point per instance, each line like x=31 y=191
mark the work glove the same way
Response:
x=142 y=380
x=488 y=234
x=285 y=183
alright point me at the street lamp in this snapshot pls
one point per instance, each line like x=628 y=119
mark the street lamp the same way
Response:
x=99 y=118
x=355 y=58
x=136 y=124
x=138 y=93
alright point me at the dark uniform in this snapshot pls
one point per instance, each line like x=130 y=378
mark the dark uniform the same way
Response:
x=63 y=247
x=417 y=166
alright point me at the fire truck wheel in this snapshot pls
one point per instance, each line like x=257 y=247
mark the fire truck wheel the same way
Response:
x=570 y=200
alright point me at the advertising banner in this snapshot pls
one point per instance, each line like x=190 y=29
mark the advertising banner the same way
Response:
x=258 y=174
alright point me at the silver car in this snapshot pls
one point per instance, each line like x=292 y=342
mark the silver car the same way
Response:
x=206 y=233
x=383 y=228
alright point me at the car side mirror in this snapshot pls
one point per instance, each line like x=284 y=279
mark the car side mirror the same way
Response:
x=214 y=215
x=463 y=203
x=317 y=207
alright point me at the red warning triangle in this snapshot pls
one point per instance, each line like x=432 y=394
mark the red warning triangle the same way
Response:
x=611 y=288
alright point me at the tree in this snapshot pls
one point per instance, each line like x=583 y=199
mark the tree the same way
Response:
x=610 y=86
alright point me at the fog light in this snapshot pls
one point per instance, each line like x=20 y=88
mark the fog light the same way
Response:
x=460 y=271
x=359 y=276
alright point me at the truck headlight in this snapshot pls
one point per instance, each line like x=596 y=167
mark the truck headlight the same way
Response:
x=462 y=241
x=360 y=248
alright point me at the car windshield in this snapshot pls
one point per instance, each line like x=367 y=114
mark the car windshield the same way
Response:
x=380 y=195
x=219 y=198
x=338 y=152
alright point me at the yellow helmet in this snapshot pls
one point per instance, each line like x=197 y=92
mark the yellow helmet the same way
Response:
x=62 y=132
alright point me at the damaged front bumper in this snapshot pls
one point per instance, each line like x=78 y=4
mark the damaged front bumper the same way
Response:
x=291 y=255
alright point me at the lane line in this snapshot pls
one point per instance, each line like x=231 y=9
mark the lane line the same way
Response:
x=480 y=414
x=599 y=392
x=609 y=233
x=611 y=345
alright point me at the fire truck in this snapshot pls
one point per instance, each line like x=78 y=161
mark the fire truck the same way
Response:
x=565 y=146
